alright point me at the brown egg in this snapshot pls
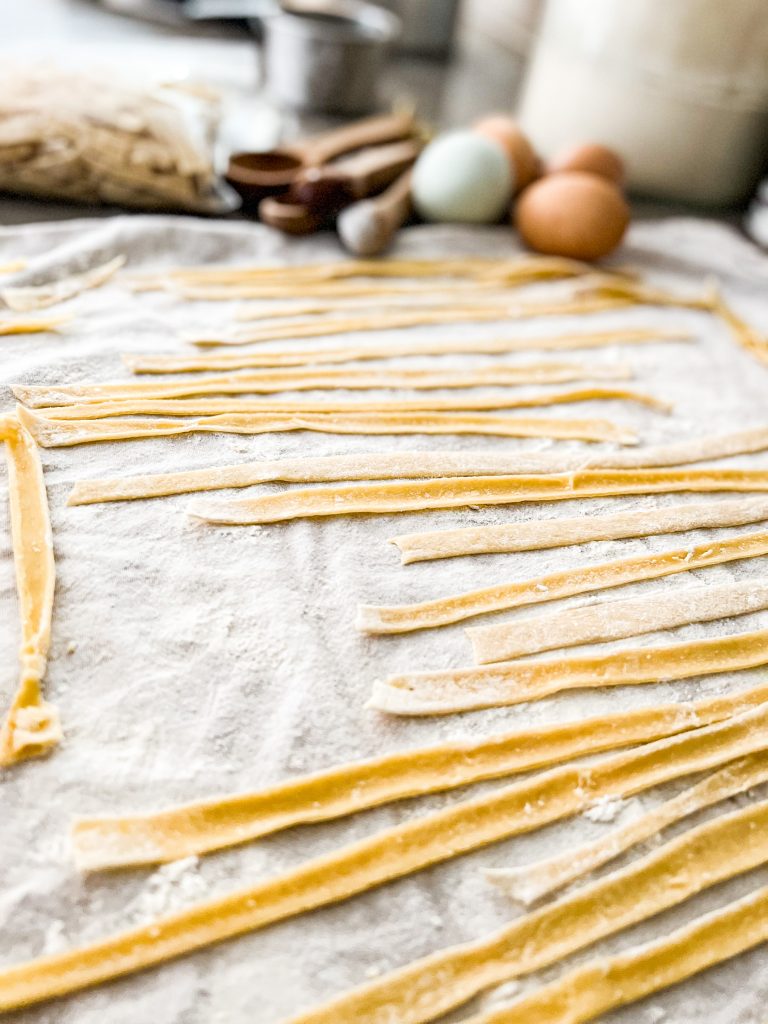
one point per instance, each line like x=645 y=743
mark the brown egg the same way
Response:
x=504 y=130
x=572 y=214
x=590 y=157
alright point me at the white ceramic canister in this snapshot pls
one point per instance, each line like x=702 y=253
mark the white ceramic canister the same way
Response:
x=679 y=87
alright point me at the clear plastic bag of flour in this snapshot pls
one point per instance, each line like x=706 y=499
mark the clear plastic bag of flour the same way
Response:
x=94 y=138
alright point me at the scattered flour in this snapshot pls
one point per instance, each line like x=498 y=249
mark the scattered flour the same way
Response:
x=55 y=939
x=502 y=994
x=605 y=809
x=170 y=888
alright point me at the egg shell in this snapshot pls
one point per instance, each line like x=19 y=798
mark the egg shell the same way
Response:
x=591 y=157
x=572 y=214
x=461 y=177
x=526 y=165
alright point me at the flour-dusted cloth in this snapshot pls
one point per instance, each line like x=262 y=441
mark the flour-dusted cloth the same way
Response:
x=190 y=660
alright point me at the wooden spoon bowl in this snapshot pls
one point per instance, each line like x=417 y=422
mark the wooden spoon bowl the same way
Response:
x=256 y=175
x=289 y=216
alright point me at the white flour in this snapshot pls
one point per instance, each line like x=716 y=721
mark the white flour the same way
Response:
x=190 y=660
x=605 y=810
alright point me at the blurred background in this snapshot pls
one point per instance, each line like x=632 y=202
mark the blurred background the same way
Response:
x=679 y=89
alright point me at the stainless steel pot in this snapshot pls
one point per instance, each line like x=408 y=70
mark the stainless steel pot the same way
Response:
x=328 y=56
x=428 y=25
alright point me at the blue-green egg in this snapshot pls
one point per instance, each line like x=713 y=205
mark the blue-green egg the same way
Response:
x=462 y=177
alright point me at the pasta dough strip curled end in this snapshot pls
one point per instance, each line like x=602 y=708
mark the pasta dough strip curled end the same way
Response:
x=31 y=726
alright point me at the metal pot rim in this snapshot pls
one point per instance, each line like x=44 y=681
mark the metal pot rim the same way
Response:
x=354 y=22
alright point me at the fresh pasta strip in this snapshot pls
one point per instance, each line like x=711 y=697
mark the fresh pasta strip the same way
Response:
x=681 y=868
x=320 y=469
x=701 y=449
x=416 y=465
x=459 y=492
x=614 y=620
x=577 y=306
x=337 y=279
x=642 y=294
x=58 y=433
x=297 y=378
x=507 y=683
x=302 y=283
x=39 y=325
x=606 y=983
x=146 y=283
x=532 y=882
x=120 y=841
x=444 y=346
x=526 y=268
x=556 y=585
x=12 y=267
x=40 y=296
x=394 y=320
x=750 y=339
x=385 y=320
x=537 y=534
x=383 y=857
x=371 y=291
x=476 y=293
x=216 y=406
x=335 y=297
x=311 y=307
x=31 y=726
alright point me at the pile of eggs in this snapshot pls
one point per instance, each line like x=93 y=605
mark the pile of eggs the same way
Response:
x=574 y=206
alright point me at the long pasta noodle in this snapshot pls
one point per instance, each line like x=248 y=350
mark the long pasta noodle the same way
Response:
x=387 y=855
x=679 y=869
x=122 y=840
x=606 y=983
x=424 y=464
x=458 y=492
x=507 y=683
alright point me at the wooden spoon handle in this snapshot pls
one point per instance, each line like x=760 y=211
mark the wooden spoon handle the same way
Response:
x=370 y=170
x=371 y=131
x=367 y=228
x=396 y=200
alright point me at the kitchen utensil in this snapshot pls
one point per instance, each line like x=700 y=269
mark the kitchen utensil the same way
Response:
x=256 y=175
x=327 y=55
x=293 y=218
x=366 y=228
x=355 y=176
x=428 y=25
x=320 y=193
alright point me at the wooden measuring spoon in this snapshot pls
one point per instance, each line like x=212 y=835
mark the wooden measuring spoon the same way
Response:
x=320 y=194
x=367 y=227
x=292 y=218
x=354 y=177
x=255 y=175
